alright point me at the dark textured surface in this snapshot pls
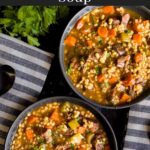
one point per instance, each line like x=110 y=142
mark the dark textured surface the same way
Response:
x=56 y=85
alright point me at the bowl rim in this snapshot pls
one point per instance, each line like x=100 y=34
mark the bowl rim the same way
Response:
x=70 y=25
x=102 y=119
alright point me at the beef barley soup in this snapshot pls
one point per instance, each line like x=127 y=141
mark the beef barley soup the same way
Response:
x=107 y=55
x=60 y=126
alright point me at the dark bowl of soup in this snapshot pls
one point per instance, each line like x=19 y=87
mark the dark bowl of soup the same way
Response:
x=104 y=55
x=61 y=123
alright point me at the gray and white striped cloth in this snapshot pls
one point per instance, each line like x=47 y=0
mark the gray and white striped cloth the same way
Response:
x=138 y=128
x=31 y=65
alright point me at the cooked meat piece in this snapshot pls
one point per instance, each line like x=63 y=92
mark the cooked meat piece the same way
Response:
x=116 y=22
x=62 y=147
x=122 y=60
x=48 y=136
x=95 y=127
x=119 y=49
x=74 y=63
x=99 y=146
x=125 y=19
x=69 y=133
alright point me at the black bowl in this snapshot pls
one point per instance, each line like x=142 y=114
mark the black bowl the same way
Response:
x=99 y=116
x=143 y=11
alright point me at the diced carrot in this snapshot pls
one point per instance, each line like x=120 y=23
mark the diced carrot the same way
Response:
x=29 y=134
x=137 y=38
x=55 y=116
x=138 y=57
x=129 y=80
x=82 y=146
x=124 y=97
x=81 y=130
x=108 y=10
x=113 y=80
x=32 y=119
x=70 y=41
x=101 y=78
x=80 y=24
x=112 y=33
x=90 y=43
x=103 y=32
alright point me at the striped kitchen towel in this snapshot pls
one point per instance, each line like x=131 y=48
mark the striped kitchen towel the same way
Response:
x=31 y=65
x=138 y=128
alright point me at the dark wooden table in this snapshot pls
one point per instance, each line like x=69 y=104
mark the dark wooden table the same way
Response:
x=56 y=85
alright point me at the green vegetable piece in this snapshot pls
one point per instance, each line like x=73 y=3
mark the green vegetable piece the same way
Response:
x=72 y=146
x=128 y=31
x=125 y=37
x=100 y=40
x=82 y=59
x=35 y=148
x=68 y=70
x=65 y=106
x=42 y=147
x=104 y=57
x=89 y=138
x=97 y=70
x=73 y=124
x=76 y=139
x=105 y=86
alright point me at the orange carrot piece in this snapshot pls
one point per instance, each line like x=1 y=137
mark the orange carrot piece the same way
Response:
x=29 y=134
x=103 y=32
x=79 y=24
x=70 y=41
x=108 y=10
x=90 y=43
x=101 y=78
x=125 y=97
x=137 y=38
x=113 y=80
x=81 y=130
x=55 y=116
x=32 y=119
x=112 y=33
x=138 y=57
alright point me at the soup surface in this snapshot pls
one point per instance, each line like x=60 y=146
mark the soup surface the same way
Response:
x=60 y=126
x=107 y=55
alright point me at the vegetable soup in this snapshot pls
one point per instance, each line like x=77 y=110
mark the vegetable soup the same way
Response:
x=60 y=126
x=107 y=55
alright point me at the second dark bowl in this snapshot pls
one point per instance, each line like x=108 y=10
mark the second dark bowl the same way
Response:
x=107 y=127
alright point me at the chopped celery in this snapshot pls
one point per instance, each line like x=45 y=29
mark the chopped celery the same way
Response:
x=90 y=136
x=125 y=37
x=65 y=106
x=97 y=70
x=73 y=124
x=68 y=70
